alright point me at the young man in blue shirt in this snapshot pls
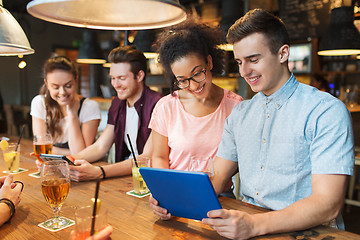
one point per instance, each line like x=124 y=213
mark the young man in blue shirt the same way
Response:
x=292 y=144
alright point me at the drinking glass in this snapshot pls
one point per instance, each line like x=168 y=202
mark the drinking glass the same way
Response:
x=138 y=181
x=12 y=158
x=55 y=184
x=84 y=220
x=202 y=164
x=42 y=143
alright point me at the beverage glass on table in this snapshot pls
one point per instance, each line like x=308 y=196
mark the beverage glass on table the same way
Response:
x=202 y=164
x=55 y=184
x=42 y=144
x=84 y=220
x=12 y=158
x=139 y=183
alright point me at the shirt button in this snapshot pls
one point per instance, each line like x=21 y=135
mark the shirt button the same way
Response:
x=264 y=140
x=268 y=115
x=262 y=167
x=277 y=105
x=257 y=193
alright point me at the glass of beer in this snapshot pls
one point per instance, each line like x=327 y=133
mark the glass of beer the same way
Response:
x=55 y=184
x=12 y=158
x=202 y=164
x=138 y=181
x=42 y=144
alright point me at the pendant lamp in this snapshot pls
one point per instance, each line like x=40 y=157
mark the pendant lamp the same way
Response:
x=90 y=51
x=109 y=14
x=13 y=40
x=342 y=38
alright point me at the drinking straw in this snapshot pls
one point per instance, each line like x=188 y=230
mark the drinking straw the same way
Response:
x=17 y=145
x=94 y=208
x=21 y=132
x=132 y=150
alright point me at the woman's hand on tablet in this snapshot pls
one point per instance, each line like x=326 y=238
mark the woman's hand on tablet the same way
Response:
x=159 y=211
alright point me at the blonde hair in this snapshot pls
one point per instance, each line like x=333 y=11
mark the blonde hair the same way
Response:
x=53 y=111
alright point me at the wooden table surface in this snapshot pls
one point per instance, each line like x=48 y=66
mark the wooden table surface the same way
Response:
x=131 y=217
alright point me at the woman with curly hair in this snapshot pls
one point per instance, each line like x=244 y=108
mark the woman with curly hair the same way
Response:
x=189 y=122
x=59 y=110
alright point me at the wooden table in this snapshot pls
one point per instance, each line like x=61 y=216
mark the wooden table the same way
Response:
x=131 y=217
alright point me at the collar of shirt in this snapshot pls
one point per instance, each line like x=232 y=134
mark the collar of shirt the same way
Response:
x=281 y=96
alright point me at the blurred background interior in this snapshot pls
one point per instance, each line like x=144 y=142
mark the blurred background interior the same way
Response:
x=311 y=25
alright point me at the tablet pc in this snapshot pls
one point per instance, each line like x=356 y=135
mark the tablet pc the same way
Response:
x=183 y=193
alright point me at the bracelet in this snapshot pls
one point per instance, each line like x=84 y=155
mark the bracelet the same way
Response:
x=103 y=172
x=10 y=205
x=22 y=184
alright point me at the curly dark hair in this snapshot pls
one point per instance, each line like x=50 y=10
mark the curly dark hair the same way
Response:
x=187 y=38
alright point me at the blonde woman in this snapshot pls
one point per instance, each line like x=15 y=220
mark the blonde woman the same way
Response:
x=71 y=119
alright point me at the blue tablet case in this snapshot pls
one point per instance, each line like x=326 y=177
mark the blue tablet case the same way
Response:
x=183 y=193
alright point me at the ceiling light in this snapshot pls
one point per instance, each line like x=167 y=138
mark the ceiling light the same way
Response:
x=90 y=51
x=22 y=64
x=107 y=65
x=226 y=47
x=342 y=37
x=13 y=40
x=109 y=14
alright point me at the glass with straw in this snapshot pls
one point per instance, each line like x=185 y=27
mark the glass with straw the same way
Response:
x=55 y=185
x=138 y=162
x=12 y=158
x=12 y=155
x=90 y=219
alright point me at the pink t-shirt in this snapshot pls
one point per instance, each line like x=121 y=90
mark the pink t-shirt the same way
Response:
x=190 y=136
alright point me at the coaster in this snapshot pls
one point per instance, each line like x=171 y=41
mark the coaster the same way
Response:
x=68 y=223
x=18 y=171
x=133 y=193
x=35 y=174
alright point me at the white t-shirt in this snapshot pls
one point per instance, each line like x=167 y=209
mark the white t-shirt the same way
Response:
x=131 y=128
x=89 y=111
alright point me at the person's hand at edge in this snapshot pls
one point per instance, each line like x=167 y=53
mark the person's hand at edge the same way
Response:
x=10 y=191
x=104 y=234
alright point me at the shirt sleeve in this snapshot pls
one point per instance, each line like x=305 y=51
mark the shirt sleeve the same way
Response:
x=227 y=148
x=331 y=149
x=38 y=109
x=159 y=116
x=89 y=111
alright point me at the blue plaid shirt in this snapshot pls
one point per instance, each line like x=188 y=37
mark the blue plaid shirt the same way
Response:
x=280 y=140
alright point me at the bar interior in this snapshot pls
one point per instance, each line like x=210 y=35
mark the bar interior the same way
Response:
x=324 y=53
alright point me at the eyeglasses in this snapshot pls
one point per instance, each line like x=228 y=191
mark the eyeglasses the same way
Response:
x=197 y=77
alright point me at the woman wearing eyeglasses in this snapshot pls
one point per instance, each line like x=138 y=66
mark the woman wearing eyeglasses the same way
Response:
x=189 y=122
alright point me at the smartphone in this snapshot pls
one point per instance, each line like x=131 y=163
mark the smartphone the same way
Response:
x=49 y=157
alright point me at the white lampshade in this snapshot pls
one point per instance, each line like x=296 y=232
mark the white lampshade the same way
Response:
x=109 y=14
x=13 y=40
